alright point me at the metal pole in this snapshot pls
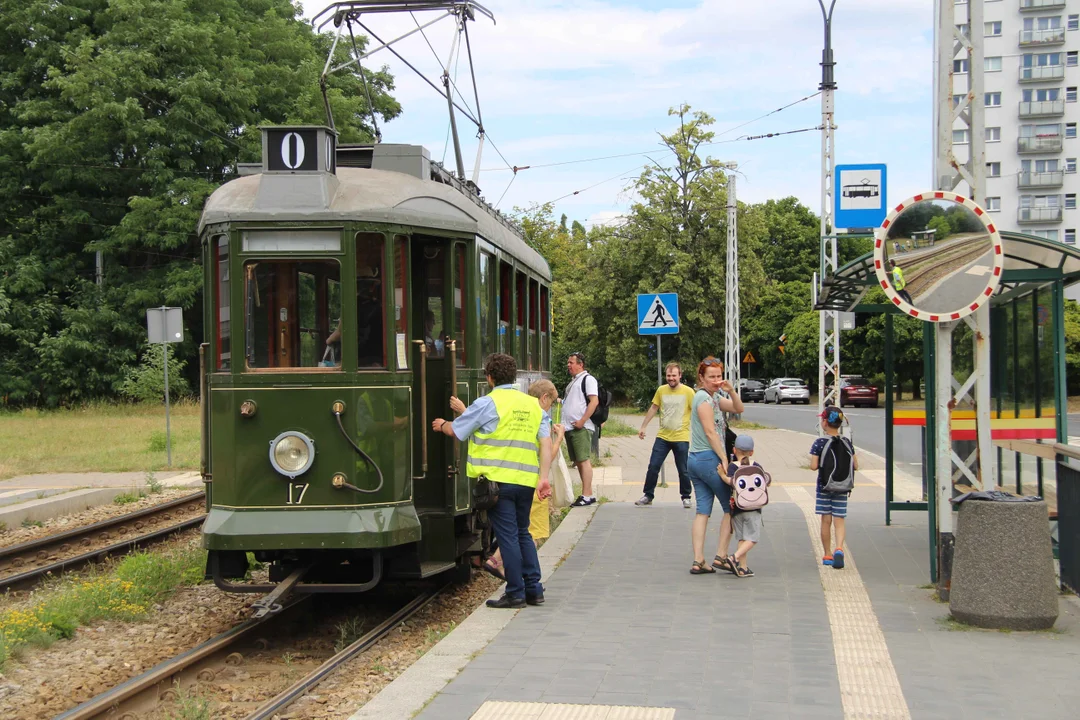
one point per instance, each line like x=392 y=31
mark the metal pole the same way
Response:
x=732 y=350
x=660 y=380
x=99 y=271
x=828 y=341
x=890 y=488
x=943 y=394
x=165 y=357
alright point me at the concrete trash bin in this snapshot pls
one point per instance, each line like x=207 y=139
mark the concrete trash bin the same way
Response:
x=1003 y=566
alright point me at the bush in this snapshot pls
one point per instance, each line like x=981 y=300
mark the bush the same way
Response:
x=146 y=381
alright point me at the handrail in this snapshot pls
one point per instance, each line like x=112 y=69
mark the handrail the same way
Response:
x=1047 y=451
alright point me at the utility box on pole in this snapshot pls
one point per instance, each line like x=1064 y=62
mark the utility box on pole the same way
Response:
x=165 y=325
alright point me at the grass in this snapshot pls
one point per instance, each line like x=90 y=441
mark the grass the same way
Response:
x=100 y=437
x=127 y=592
x=128 y=498
x=614 y=427
x=349 y=631
x=748 y=425
x=191 y=705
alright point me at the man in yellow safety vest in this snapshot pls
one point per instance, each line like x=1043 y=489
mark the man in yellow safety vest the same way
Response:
x=509 y=444
x=899 y=283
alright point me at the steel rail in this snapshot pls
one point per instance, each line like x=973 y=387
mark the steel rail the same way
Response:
x=107 y=701
x=26 y=547
x=299 y=688
x=120 y=548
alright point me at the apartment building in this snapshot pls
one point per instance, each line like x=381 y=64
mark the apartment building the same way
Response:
x=1031 y=74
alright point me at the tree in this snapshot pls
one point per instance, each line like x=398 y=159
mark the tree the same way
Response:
x=118 y=118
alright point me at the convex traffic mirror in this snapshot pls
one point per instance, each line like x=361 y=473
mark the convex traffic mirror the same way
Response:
x=938 y=257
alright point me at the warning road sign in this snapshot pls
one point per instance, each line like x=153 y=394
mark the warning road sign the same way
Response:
x=749 y=358
x=658 y=314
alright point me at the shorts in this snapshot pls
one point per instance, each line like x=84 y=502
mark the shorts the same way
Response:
x=747 y=525
x=579 y=445
x=701 y=467
x=834 y=504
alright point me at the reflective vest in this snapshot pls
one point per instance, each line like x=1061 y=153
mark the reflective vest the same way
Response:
x=898 y=279
x=511 y=454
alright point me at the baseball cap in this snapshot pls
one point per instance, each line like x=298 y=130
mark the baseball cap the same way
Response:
x=744 y=443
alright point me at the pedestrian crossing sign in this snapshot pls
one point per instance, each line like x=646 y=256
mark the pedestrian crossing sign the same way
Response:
x=749 y=358
x=658 y=314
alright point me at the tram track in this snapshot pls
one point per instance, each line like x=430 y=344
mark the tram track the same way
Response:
x=26 y=564
x=144 y=695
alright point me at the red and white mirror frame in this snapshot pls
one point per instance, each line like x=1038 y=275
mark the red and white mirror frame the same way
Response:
x=883 y=275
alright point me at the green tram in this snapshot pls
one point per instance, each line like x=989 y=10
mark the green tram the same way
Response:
x=350 y=291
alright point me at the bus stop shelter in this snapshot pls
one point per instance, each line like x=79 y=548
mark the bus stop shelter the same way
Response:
x=1029 y=414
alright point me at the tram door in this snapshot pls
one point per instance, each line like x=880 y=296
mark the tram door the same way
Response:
x=431 y=322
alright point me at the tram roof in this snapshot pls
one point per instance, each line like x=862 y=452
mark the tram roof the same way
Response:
x=363 y=195
x=844 y=289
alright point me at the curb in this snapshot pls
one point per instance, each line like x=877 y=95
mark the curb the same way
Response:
x=411 y=691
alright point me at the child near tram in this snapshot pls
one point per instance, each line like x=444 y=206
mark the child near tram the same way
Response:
x=833 y=457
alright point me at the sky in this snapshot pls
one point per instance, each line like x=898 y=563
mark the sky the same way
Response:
x=563 y=80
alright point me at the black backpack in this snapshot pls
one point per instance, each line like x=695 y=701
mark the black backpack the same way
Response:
x=836 y=471
x=600 y=414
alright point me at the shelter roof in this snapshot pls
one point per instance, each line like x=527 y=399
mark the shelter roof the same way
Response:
x=844 y=289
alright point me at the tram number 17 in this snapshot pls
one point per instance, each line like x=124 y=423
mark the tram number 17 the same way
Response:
x=296 y=493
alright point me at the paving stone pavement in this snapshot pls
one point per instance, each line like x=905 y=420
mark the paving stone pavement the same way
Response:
x=626 y=624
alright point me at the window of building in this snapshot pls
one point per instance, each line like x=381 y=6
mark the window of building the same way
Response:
x=1046 y=22
x=1070 y=94
x=963 y=29
x=1074 y=22
x=992 y=64
x=1070 y=130
x=1045 y=130
x=993 y=169
x=993 y=134
x=1039 y=166
x=990 y=99
x=1070 y=201
x=1070 y=236
x=1046 y=234
x=1040 y=94
x=219 y=245
x=961 y=137
x=992 y=29
x=957 y=99
x=960 y=66
x=1070 y=165
x=993 y=204
x=1071 y=58
x=293 y=313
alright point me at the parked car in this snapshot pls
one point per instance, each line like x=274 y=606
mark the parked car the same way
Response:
x=856 y=390
x=791 y=390
x=752 y=391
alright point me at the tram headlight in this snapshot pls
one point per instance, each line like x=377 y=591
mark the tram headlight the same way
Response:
x=292 y=453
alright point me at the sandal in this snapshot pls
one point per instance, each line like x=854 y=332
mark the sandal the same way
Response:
x=721 y=563
x=492 y=569
x=733 y=565
x=700 y=568
x=744 y=572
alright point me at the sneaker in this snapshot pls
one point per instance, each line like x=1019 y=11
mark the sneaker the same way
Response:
x=838 y=559
x=506 y=602
x=827 y=560
x=582 y=501
x=537 y=599
x=685 y=503
x=645 y=500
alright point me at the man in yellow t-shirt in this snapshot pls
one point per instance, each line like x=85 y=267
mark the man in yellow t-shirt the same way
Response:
x=672 y=401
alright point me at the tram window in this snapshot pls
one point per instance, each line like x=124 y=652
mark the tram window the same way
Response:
x=401 y=295
x=459 y=301
x=487 y=291
x=370 y=337
x=520 y=337
x=505 y=280
x=434 y=304
x=290 y=308
x=545 y=337
x=534 y=310
x=222 y=329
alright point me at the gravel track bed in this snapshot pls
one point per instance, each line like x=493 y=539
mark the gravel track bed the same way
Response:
x=16 y=535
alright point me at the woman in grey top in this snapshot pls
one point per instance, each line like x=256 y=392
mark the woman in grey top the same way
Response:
x=706 y=453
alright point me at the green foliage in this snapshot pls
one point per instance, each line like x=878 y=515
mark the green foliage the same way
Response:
x=128 y=498
x=146 y=381
x=942 y=226
x=118 y=118
x=1072 y=346
x=614 y=427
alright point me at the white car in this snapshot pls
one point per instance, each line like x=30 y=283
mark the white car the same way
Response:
x=790 y=390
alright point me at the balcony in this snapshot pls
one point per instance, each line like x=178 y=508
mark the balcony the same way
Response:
x=1042 y=73
x=1028 y=5
x=1049 y=36
x=1042 y=108
x=1038 y=214
x=1039 y=144
x=1051 y=179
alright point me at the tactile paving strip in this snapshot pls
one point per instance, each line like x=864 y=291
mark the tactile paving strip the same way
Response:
x=869 y=687
x=499 y=710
